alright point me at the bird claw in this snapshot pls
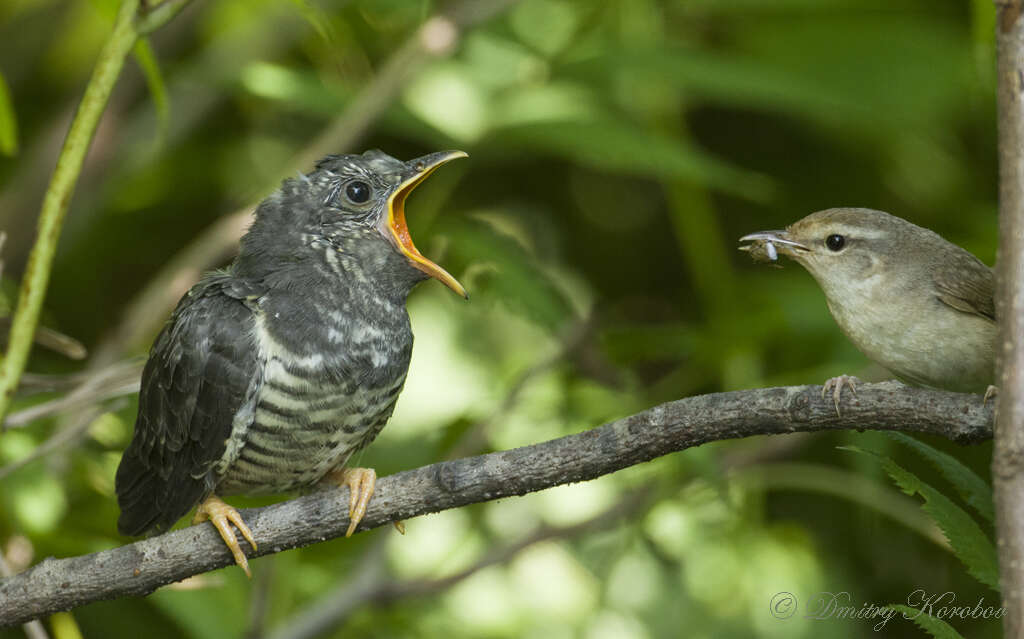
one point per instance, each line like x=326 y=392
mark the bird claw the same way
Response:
x=221 y=515
x=836 y=385
x=360 y=482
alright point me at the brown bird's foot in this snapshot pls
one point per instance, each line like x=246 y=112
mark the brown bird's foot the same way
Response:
x=220 y=514
x=836 y=385
x=990 y=392
x=360 y=482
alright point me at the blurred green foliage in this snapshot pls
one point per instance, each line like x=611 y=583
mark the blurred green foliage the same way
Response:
x=617 y=150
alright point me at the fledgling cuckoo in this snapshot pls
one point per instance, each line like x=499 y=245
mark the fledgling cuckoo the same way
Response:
x=272 y=373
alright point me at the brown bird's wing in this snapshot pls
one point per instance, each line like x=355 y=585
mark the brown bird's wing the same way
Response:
x=966 y=284
x=201 y=373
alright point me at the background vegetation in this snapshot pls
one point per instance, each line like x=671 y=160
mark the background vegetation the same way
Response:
x=617 y=150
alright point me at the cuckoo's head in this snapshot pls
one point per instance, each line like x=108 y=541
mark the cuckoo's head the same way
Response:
x=346 y=217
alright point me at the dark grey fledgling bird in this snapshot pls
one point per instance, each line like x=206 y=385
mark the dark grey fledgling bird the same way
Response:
x=272 y=373
x=911 y=301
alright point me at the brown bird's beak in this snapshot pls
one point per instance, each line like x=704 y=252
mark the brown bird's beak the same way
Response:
x=399 y=232
x=766 y=245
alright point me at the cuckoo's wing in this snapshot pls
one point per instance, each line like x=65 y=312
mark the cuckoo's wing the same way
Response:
x=202 y=370
x=966 y=284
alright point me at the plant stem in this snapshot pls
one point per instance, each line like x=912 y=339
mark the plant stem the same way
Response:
x=62 y=184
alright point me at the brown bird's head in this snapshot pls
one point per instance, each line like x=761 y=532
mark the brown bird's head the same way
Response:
x=846 y=248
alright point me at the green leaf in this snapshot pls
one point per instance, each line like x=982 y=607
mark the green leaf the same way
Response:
x=8 y=122
x=505 y=271
x=934 y=626
x=204 y=612
x=299 y=89
x=968 y=541
x=317 y=18
x=157 y=87
x=726 y=79
x=616 y=145
x=972 y=488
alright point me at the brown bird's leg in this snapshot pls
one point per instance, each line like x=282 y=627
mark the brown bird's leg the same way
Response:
x=221 y=515
x=837 y=384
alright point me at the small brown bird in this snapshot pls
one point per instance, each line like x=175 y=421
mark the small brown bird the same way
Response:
x=914 y=303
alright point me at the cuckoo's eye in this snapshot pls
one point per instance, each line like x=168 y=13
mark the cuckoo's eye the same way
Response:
x=835 y=242
x=357 y=192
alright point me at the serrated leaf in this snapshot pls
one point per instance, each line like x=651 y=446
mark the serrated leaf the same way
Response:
x=617 y=145
x=968 y=541
x=972 y=489
x=934 y=626
x=8 y=121
x=155 y=83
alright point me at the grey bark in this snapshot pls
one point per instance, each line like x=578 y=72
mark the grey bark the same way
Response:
x=139 y=568
x=1008 y=454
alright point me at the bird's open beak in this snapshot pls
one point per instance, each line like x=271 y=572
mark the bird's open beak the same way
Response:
x=397 y=228
x=766 y=243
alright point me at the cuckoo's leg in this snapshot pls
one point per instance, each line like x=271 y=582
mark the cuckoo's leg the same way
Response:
x=221 y=515
x=360 y=482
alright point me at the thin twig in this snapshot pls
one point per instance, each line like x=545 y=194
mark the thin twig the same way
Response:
x=151 y=18
x=52 y=339
x=141 y=567
x=32 y=383
x=118 y=380
x=65 y=436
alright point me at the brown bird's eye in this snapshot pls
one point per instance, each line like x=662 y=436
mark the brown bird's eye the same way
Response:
x=835 y=242
x=357 y=192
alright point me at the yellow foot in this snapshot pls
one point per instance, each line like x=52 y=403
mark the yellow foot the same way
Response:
x=990 y=392
x=360 y=482
x=220 y=514
x=836 y=386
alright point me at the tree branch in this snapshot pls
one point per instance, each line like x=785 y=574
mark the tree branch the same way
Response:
x=141 y=567
x=1008 y=454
